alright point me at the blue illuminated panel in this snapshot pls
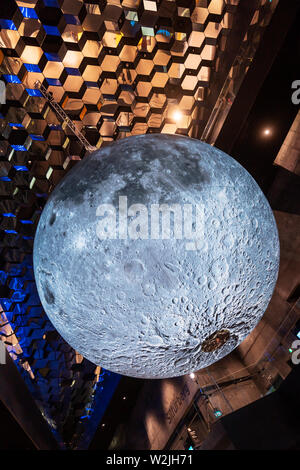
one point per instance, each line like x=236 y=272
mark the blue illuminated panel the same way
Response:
x=52 y=57
x=33 y=68
x=71 y=71
x=7 y=24
x=91 y=84
x=70 y=19
x=51 y=3
x=20 y=167
x=19 y=148
x=53 y=82
x=51 y=30
x=33 y=92
x=11 y=78
x=28 y=12
x=15 y=124
x=37 y=137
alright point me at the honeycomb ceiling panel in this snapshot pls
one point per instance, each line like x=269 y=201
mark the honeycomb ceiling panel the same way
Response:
x=88 y=53
x=112 y=69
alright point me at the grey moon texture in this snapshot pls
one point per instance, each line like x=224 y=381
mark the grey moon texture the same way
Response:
x=153 y=308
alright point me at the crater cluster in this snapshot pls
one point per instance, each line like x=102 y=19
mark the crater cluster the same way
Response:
x=153 y=308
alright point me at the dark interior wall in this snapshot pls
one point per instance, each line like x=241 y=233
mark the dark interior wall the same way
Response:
x=265 y=98
x=20 y=403
x=253 y=347
x=269 y=423
x=284 y=194
x=117 y=414
x=12 y=436
x=241 y=22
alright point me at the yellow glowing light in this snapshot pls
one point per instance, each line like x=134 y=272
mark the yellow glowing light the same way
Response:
x=267 y=131
x=177 y=115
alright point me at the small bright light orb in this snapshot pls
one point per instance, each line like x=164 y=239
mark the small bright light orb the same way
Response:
x=177 y=115
x=192 y=375
x=267 y=132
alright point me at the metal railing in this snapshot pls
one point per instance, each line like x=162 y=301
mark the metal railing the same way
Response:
x=64 y=117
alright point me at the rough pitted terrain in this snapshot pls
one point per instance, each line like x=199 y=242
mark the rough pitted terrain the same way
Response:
x=151 y=308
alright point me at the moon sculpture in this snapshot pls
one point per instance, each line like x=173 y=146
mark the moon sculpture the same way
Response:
x=156 y=256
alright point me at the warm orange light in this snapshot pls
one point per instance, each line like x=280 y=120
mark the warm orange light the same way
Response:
x=177 y=115
x=267 y=131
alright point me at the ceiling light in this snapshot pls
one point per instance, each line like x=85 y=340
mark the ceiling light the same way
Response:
x=177 y=115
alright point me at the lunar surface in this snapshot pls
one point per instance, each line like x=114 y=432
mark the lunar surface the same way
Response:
x=148 y=302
